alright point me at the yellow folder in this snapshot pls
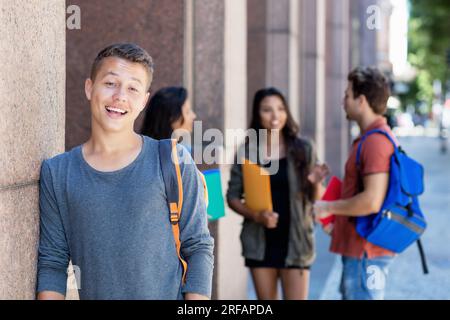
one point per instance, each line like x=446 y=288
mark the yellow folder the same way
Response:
x=257 y=194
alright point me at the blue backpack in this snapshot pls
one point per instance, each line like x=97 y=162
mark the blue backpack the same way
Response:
x=400 y=222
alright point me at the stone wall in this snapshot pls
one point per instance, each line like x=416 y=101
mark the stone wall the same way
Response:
x=32 y=90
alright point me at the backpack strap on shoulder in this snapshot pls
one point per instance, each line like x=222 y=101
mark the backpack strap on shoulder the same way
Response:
x=396 y=148
x=364 y=137
x=170 y=167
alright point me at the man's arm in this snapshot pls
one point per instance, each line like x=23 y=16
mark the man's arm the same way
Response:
x=196 y=242
x=53 y=255
x=363 y=204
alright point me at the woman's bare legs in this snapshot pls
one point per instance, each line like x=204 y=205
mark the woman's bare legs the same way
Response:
x=295 y=283
x=265 y=282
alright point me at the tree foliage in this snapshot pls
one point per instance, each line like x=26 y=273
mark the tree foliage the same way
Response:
x=429 y=40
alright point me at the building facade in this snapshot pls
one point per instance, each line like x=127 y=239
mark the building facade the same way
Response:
x=221 y=50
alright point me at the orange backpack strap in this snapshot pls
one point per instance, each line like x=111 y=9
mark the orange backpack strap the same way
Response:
x=170 y=167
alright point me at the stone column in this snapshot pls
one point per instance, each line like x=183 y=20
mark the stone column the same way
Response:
x=256 y=49
x=32 y=90
x=218 y=82
x=208 y=67
x=268 y=59
x=355 y=41
x=232 y=275
x=367 y=34
x=294 y=59
x=204 y=73
x=312 y=72
x=337 y=68
x=277 y=45
x=383 y=37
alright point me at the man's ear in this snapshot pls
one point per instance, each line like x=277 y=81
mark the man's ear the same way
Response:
x=362 y=100
x=88 y=88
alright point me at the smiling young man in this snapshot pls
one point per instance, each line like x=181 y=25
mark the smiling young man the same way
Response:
x=365 y=265
x=103 y=204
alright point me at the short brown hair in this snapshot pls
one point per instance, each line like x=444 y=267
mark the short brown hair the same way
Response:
x=128 y=51
x=371 y=83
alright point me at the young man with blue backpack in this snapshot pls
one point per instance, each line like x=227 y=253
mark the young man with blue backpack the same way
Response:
x=378 y=214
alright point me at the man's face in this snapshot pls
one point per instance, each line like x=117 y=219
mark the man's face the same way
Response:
x=117 y=95
x=351 y=104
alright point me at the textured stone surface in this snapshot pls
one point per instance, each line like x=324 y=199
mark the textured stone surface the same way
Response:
x=277 y=63
x=337 y=68
x=308 y=67
x=31 y=87
x=256 y=49
x=19 y=224
x=278 y=16
x=256 y=65
x=208 y=81
x=155 y=25
x=232 y=274
x=367 y=37
x=209 y=62
x=32 y=81
x=268 y=46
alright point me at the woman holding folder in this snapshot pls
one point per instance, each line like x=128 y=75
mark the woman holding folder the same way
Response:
x=277 y=241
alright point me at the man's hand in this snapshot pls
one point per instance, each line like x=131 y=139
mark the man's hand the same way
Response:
x=269 y=219
x=328 y=228
x=321 y=210
x=363 y=204
x=318 y=173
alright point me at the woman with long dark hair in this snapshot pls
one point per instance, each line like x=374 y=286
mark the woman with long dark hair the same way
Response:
x=168 y=110
x=279 y=244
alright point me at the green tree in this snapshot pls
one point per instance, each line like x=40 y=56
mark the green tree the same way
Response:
x=429 y=40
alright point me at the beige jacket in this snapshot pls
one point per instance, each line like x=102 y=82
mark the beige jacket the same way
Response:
x=301 y=251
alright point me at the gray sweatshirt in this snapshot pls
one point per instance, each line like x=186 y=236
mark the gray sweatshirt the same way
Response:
x=115 y=227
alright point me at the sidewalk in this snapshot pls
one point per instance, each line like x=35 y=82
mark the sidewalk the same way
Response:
x=406 y=280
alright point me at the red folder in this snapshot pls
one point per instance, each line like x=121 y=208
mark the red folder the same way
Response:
x=333 y=192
